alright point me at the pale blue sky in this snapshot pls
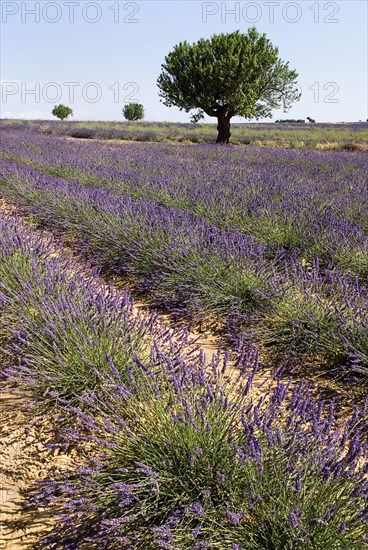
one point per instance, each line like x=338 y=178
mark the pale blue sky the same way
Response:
x=112 y=51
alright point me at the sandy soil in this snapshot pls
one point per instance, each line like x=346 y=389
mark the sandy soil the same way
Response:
x=24 y=460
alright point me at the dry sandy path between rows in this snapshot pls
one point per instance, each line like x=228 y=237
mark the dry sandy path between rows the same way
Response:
x=23 y=456
x=23 y=461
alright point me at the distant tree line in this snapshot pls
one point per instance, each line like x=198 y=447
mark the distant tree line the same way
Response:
x=295 y=120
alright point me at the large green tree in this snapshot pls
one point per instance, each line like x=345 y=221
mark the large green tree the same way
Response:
x=227 y=75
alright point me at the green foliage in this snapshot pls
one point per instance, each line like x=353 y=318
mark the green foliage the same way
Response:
x=133 y=111
x=62 y=111
x=230 y=74
x=305 y=326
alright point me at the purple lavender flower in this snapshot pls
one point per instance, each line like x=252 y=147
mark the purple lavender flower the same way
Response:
x=234 y=517
x=221 y=477
x=194 y=534
x=293 y=520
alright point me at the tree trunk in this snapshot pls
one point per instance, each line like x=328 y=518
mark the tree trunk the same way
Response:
x=223 y=128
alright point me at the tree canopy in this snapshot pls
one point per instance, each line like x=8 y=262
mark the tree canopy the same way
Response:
x=133 y=111
x=227 y=75
x=62 y=111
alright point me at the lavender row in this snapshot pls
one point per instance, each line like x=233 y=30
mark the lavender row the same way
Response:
x=200 y=466
x=175 y=453
x=65 y=324
x=295 y=308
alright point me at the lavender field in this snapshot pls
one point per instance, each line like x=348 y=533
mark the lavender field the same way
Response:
x=170 y=451
x=267 y=248
x=269 y=245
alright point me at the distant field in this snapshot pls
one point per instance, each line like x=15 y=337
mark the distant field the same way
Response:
x=322 y=135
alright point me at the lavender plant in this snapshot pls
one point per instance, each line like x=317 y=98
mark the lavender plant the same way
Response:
x=65 y=324
x=198 y=463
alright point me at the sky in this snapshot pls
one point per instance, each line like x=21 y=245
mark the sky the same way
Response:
x=97 y=56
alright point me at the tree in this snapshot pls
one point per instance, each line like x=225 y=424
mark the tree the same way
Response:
x=227 y=75
x=62 y=111
x=133 y=111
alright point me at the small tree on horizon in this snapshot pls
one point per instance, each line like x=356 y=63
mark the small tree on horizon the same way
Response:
x=62 y=111
x=228 y=75
x=133 y=111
